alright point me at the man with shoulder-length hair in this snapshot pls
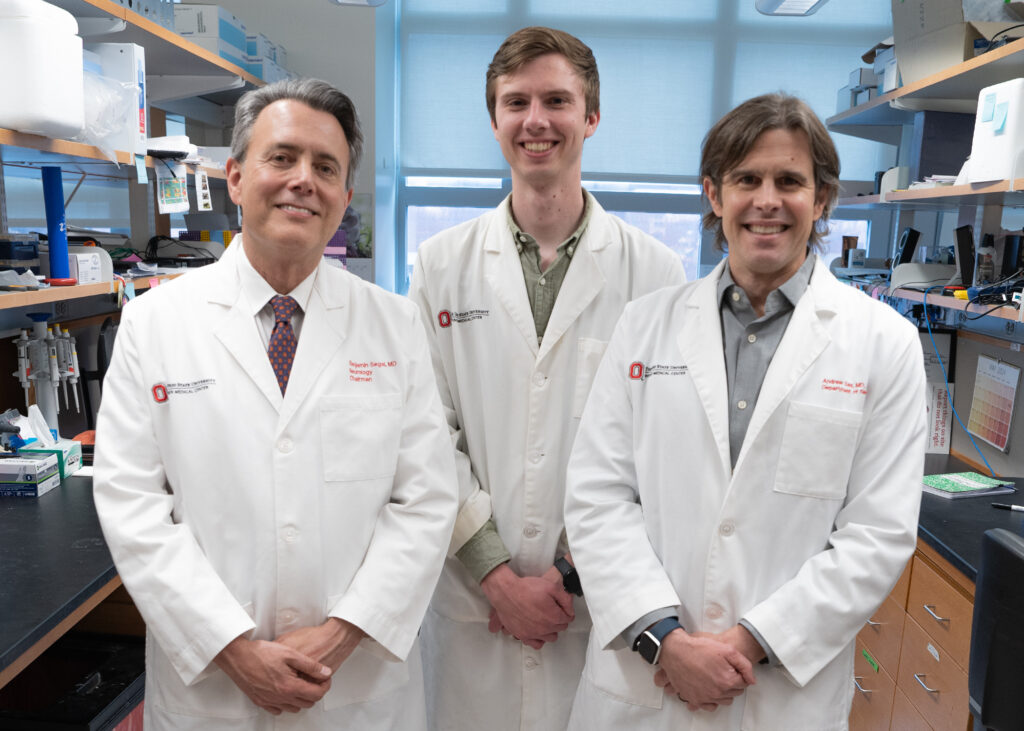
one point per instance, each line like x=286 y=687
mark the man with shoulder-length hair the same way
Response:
x=519 y=304
x=273 y=470
x=744 y=487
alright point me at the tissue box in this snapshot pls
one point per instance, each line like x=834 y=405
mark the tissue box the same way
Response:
x=67 y=453
x=29 y=475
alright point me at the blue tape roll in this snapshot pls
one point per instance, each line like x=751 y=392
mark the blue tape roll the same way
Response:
x=53 y=198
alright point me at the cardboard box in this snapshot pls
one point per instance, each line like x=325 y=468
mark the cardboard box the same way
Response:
x=29 y=489
x=259 y=46
x=862 y=77
x=210 y=21
x=266 y=69
x=67 y=454
x=86 y=268
x=844 y=99
x=30 y=468
x=932 y=35
x=126 y=63
x=223 y=49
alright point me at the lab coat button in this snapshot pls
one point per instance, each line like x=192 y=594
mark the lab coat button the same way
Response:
x=290 y=534
x=535 y=457
x=530 y=531
x=285 y=445
x=539 y=379
x=727 y=528
x=530 y=663
x=713 y=611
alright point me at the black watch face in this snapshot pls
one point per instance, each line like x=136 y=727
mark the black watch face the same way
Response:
x=648 y=648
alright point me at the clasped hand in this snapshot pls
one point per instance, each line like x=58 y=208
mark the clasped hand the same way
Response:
x=292 y=672
x=533 y=609
x=704 y=671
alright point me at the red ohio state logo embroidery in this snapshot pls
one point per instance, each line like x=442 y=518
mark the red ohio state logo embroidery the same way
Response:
x=444 y=318
x=636 y=371
x=159 y=393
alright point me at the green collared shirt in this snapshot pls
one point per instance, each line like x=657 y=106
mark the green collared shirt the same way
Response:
x=485 y=550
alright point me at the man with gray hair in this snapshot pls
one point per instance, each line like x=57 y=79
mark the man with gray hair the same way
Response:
x=273 y=470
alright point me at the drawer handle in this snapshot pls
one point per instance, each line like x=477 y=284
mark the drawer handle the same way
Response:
x=918 y=676
x=861 y=688
x=937 y=618
x=872 y=623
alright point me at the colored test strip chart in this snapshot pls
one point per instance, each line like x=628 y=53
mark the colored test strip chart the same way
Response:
x=995 y=390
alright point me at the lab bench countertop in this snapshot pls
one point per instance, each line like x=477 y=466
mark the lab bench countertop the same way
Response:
x=53 y=560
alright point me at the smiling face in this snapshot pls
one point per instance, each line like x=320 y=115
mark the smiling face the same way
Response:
x=291 y=186
x=540 y=121
x=768 y=205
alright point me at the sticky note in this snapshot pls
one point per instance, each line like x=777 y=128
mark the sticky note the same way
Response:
x=1002 y=112
x=140 y=169
x=988 y=107
x=154 y=282
x=129 y=291
x=871 y=660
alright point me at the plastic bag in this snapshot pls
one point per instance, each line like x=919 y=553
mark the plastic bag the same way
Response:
x=110 y=107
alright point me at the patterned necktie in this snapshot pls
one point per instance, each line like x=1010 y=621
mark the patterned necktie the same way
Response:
x=282 y=339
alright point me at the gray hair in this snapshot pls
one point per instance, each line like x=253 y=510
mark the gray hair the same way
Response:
x=734 y=135
x=314 y=93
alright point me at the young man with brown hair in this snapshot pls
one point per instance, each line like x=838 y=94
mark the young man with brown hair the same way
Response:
x=519 y=304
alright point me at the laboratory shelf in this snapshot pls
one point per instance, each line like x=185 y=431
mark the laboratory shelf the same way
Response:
x=954 y=89
x=1009 y=194
x=1007 y=312
x=58 y=152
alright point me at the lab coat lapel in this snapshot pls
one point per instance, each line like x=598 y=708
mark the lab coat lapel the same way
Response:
x=583 y=281
x=700 y=341
x=236 y=328
x=323 y=329
x=804 y=340
x=504 y=274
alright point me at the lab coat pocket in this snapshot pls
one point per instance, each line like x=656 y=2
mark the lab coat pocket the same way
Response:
x=623 y=675
x=817 y=450
x=360 y=436
x=590 y=352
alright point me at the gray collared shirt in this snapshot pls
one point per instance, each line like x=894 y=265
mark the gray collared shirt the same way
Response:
x=750 y=342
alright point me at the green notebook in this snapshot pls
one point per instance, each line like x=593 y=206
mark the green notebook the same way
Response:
x=966 y=484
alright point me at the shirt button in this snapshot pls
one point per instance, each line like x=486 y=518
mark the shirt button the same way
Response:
x=713 y=611
x=727 y=528
x=735 y=296
x=741 y=405
x=290 y=534
x=535 y=457
x=751 y=338
x=285 y=445
x=538 y=379
x=542 y=281
x=530 y=663
x=287 y=616
x=530 y=531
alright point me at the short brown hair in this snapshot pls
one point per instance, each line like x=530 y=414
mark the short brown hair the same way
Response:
x=735 y=134
x=526 y=44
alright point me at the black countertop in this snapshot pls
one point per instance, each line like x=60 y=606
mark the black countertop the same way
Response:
x=52 y=560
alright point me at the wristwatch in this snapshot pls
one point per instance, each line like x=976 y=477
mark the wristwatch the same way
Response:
x=648 y=644
x=570 y=579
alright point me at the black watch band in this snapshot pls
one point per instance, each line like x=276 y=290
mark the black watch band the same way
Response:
x=648 y=644
x=570 y=579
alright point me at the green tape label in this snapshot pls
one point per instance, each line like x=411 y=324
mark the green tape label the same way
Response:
x=871 y=660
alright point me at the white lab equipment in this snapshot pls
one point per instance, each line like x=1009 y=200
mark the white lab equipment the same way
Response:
x=998 y=144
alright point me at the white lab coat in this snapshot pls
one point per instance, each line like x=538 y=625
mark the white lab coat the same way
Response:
x=804 y=539
x=230 y=509
x=513 y=407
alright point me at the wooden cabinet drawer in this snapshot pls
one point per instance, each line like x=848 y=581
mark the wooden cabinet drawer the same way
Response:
x=904 y=716
x=872 y=700
x=899 y=592
x=883 y=633
x=931 y=594
x=932 y=680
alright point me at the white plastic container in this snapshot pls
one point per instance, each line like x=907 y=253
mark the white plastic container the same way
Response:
x=997 y=151
x=40 y=69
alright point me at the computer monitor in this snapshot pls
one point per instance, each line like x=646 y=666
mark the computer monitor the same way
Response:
x=964 y=253
x=905 y=247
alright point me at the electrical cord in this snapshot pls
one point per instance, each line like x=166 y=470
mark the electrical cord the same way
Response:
x=1003 y=32
x=945 y=378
